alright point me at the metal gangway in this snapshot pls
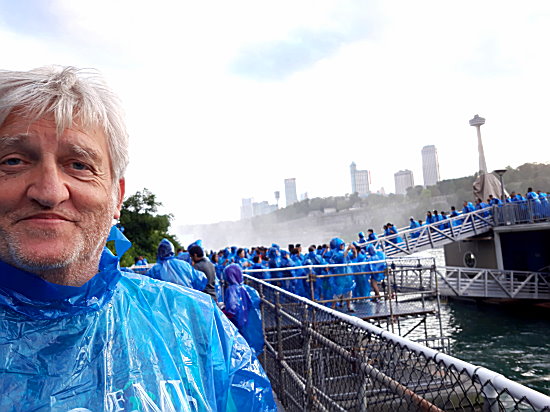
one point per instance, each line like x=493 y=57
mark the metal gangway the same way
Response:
x=492 y=283
x=408 y=241
x=320 y=359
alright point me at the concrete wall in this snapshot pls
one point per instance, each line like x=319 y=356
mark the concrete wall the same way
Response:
x=482 y=247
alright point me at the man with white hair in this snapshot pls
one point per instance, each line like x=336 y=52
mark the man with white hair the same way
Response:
x=76 y=333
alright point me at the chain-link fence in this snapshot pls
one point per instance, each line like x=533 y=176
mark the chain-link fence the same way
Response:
x=320 y=359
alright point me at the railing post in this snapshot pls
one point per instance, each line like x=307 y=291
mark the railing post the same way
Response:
x=262 y=311
x=490 y=399
x=312 y=283
x=388 y=276
x=307 y=360
x=429 y=230
x=280 y=353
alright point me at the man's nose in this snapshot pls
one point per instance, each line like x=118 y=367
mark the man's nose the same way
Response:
x=48 y=187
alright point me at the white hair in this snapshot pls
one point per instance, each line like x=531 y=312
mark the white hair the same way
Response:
x=69 y=95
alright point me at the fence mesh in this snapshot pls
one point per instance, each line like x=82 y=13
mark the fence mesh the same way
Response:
x=321 y=360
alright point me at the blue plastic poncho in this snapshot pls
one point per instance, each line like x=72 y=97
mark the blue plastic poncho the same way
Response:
x=372 y=236
x=374 y=256
x=121 y=342
x=339 y=284
x=170 y=269
x=321 y=285
x=362 y=287
x=242 y=307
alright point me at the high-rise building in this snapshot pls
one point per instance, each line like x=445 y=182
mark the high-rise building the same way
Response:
x=247 y=210
x=352 y=170
x=403 y=180
x=430 y=165
x=290 y=191
x=360 y=180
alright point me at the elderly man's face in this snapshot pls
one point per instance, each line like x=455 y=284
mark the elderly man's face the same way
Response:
x=57 y=197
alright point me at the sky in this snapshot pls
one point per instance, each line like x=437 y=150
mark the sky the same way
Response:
x=226 y=99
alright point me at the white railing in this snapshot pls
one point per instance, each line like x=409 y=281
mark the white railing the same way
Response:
x=409 y=241
x=492 y=283
x=321 y=359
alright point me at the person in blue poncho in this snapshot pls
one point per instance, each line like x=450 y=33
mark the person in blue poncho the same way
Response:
x=543 y=197
x=362 y=242
x=377 y=267
x=77 y=333
x=140 y=261
x=242 y=307
x=321 y=286
x=413 y=225
x=301 y=286
x=171 y=269
x=274 y=256
x=362 y=279
x=341 y=286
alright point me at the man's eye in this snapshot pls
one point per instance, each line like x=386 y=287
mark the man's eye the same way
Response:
x=79 y=166
x=14 y=161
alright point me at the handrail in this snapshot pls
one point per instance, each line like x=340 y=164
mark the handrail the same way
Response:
x=488 y=379
x=484 y=282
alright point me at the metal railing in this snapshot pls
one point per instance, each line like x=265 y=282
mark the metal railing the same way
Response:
x=409 y=290
x=492 y=283
x=522 y=212
x=319 y=359
x=409 y=241
x=463 y=226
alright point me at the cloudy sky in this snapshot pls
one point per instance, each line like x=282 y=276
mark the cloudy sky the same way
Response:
x=226 y=99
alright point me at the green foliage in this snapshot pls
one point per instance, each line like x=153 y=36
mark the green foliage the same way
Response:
x=144 y=227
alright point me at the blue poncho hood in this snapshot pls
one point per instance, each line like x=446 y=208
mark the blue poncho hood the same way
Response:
x=233 y=274
x=336 y=243
x=165 y=249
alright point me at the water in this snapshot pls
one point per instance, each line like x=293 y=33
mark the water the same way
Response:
x=511 y=340
x=514 y=342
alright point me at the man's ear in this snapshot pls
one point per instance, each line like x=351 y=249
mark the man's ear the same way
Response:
x=121 y=188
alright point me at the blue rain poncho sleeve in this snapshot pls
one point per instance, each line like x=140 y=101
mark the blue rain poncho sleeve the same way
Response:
x=121 y=342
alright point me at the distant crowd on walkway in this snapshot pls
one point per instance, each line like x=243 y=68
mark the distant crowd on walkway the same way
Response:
x=342 y=271
x=533 y=206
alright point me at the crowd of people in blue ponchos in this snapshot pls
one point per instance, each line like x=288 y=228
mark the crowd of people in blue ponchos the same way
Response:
x=274 y=263
x=360 y=272
x=533 y=205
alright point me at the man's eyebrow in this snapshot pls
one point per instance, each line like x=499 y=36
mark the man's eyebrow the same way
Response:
x=9 y=141
x=85 y=152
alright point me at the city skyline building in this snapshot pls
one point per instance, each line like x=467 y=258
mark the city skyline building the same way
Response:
x=360 y=180
x=291 y=196
x=430 y=165
x=247 y=211
x=403 y=180
x=352 y=170
x=249 y=208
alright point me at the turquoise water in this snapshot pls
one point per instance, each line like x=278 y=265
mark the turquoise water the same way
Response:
x=511 y=340
x=514 y=341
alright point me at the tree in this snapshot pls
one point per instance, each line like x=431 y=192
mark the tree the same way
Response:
x=144 y=227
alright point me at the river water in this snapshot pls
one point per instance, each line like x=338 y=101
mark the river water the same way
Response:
x=511 y=340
